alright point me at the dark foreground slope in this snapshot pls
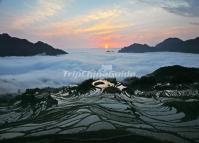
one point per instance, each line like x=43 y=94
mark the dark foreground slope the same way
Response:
x=159 y=107
x=11 y=46
x=168 y=45
x=166 y=78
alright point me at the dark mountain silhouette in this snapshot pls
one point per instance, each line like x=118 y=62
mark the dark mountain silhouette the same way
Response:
x=168 y=45
x=136 y=48
x=174 y=77
x=12 y=46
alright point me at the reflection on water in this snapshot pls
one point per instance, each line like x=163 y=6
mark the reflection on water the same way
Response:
x=103 y=116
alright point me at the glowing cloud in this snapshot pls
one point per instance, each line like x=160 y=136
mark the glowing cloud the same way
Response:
x=88 y=23
x=42 y=10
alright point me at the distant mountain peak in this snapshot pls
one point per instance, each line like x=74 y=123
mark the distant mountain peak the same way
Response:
x=136 y=47
x=39 y=42
x=169 y=42
x=167 y=45
x=5 y=35
x=11 y=46
x=138 y=44
x=173 y=39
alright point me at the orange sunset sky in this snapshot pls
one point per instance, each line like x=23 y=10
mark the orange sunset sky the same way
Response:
x=99 y=23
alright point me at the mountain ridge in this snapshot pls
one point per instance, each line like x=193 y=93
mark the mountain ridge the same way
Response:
x=13 y=46
x=168 y=45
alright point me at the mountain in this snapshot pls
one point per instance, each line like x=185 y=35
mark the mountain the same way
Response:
x=138 y=109
x=168 y=45
x=136 y=48
x=12 y=46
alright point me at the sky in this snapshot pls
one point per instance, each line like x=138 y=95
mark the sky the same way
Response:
x=99 y=23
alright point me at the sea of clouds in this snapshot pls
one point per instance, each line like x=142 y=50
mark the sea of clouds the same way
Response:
x=20 y=73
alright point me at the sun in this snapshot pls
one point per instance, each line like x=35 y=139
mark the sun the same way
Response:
x=106 y=46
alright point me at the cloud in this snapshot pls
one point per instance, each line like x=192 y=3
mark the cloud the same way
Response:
x=181 y=7
x=103 y=27
x=48 y=71
x=92 y=22
x=41 y=11
x=194 y=23
x=91 y=27
x=66 y=24
x=191 y=9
